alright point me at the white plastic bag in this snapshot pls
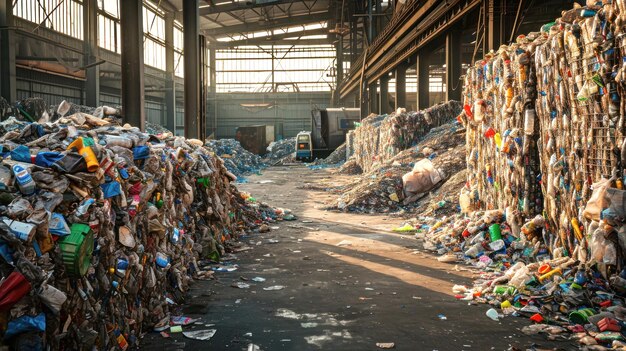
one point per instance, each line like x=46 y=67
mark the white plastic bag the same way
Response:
x=421 y=179
x=598 y=201
x=52 y=297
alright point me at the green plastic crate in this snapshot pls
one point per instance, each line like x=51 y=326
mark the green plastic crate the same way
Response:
x=76 y=249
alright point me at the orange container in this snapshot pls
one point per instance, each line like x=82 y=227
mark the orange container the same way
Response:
x=87 y=152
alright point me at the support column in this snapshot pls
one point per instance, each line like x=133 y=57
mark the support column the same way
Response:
x=423 y=80
x=170 y=85
x=494 y=24
x=192 y=94
x=131 y=21
x=363 y=105
x=401 y=85
x=203 y=88
x=453 y=63
x=339 y=62
x=373 y=98
x=384 y=94
x=92 y=68
x=8 y=88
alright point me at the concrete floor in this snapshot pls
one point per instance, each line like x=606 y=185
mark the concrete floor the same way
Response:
x=349 y=284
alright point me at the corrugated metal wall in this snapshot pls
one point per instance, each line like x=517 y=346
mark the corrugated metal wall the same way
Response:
x=289 y=113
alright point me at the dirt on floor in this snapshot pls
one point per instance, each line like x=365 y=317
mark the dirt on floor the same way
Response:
x=343 y=282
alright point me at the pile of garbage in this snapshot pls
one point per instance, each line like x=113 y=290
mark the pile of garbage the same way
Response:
x=336 y=158
x=281 y=151
x=350 y=167
x=103 y=228
x=409 y=176
x=568 y=291
x=546 y=154
x=237 y=160
x=379 y=138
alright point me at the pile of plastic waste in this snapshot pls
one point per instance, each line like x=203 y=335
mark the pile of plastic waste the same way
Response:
x=336 y=158
x=379 y=138
x=237 y=160
x=103 y=227
x=399 y=183
x=578 y=295
x=545 y=142
x=281 y=151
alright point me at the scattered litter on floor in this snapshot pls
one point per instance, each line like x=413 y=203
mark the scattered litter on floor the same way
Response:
x=344 y=243
x=203 y=335
x=385 y=345
x=274 y=287
x=240 y=285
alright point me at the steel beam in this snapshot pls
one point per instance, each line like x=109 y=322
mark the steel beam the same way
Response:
x=275 y=38
x=8 y=88
x=401 y=86
x=241 y=5
x=90 y=35
x=283 y=42
x=390 y=52
x=271 y=24
x=384 y=94
x=453 y=63
x=170 y=66
x=131 y=22
x=423 y=80
x=192 y=93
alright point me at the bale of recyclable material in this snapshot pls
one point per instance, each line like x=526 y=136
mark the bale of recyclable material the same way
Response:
x=379 y=138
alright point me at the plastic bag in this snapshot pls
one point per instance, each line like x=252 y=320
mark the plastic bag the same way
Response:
x=421 y=179
x=26 y=324
x=521 y=276
x=598 y=244
x=46 y=159
x=21 y=154
x=52 y=297
x=598 y=200
x=57 y=225
x=111 y=189
x=616 y=199
x=12 y=289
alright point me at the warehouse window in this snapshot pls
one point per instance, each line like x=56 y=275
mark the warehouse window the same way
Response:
x=179 y=68
x=63 y=16
x=154 y=38
x=287 y=68
x=109 y=34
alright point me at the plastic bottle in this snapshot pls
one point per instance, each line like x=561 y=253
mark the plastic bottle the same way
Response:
x=529 y=121
x=114 y=140
x=497 y=245
x=86 y=151
x=475 y=250
x=495 y=232
x=25 y=182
